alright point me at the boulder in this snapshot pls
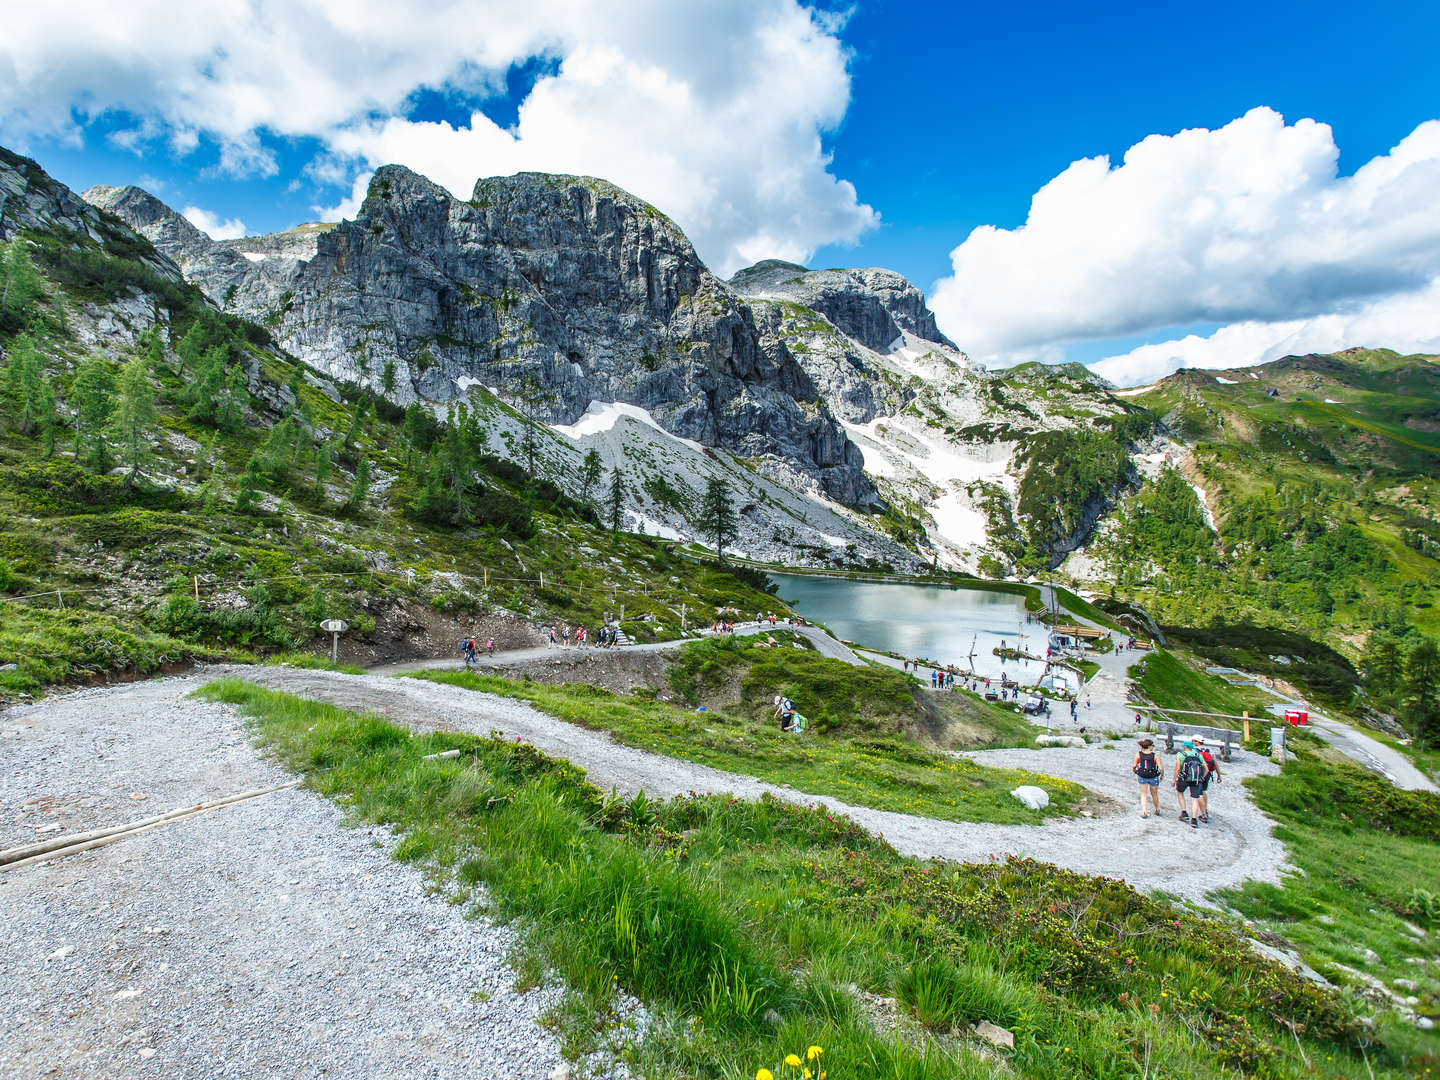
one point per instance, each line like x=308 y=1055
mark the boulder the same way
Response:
x=994 y=1034
x=1033 y=797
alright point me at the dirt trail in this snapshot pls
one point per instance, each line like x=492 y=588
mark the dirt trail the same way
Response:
x=824 y=644
x=1157 y=853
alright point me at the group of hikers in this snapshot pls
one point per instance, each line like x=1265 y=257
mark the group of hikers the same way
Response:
x=468 y=649
x=1195 y=770
x=604 y=637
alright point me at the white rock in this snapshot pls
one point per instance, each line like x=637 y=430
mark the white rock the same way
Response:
x=124 y=995
x=995 y=1035
x=61 y=953
x=1059 y=740
x=1033 y=797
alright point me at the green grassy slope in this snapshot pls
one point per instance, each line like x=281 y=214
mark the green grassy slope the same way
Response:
x=1323 y=473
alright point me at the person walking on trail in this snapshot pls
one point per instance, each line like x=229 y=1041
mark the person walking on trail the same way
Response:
x=1190 y=771
x=490 y=646
x=468 y=648
x=1147 y=770
x=552 y=637
x=1212 y=775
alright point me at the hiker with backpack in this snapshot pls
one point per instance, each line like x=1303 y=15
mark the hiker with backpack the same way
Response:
x=1212 y=775
x=1190 y=773
x=789 y=716
x=1147 y=770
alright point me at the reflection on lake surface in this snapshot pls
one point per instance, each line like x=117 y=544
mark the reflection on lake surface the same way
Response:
x=933 y=622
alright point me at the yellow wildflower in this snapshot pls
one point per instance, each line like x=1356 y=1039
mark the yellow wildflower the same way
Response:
x=792 y=1061
x=764 y=1074
x=814 y=1052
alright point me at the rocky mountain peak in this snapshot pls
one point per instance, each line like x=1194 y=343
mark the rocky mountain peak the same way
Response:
x=146 y=214
x=875 y=307
x=559 y=291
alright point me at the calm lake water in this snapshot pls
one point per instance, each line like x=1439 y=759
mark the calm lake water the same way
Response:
x=931 y=621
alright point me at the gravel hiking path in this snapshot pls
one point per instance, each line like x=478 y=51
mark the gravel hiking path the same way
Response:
x=262 y=939
x=824 y=644
x=1158 y=853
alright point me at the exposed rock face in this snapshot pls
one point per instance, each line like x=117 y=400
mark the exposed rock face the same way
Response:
x=872 y=306
x=556 y=290
x=31 y=199
x=210 y=265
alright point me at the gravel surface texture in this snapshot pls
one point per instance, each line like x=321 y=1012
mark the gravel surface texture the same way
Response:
x=1151 y=853
x=264 y=939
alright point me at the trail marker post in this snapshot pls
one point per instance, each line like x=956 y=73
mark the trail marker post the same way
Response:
x=334 y=627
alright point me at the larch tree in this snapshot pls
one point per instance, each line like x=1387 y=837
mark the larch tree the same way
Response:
x=93 y=395
x=134 y=416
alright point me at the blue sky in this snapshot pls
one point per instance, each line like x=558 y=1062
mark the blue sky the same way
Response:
x=942 y=117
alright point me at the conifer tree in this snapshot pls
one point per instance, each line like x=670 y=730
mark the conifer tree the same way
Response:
x=47 y=416
x=190 y=350
x=360 y=487
x=202 y=394
x=233 y=398
x=155 y=350
x=250 y=481
x=1422 y=690
x=323 y=460
x=415 y=430
x=357 y=421
x=591 y=472
x=387 y=378
x=455 y=461
x=19 y=284
x=717 y=515
x=134 y=416
x=615 y=500
x=24 y=378
x=93 y=395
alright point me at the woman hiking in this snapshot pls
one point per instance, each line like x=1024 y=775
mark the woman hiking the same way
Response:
x=1147 y=770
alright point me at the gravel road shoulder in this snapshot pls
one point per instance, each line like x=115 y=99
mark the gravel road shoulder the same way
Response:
x=263 y=939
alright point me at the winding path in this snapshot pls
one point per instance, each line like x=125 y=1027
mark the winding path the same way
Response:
x=824 y=644
x=1157 y=853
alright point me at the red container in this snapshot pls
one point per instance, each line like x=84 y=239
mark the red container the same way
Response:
x=1298 y=717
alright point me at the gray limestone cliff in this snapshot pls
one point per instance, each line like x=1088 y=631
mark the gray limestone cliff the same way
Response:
x=554 y=290
x=875 y=307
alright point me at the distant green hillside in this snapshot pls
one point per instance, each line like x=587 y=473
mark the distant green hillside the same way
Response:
x=1322 y=477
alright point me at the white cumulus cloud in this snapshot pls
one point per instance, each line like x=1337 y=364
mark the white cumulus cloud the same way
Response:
x=210 y=223
x=713 y=110
x=1248 y=224
x=1407 y=323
